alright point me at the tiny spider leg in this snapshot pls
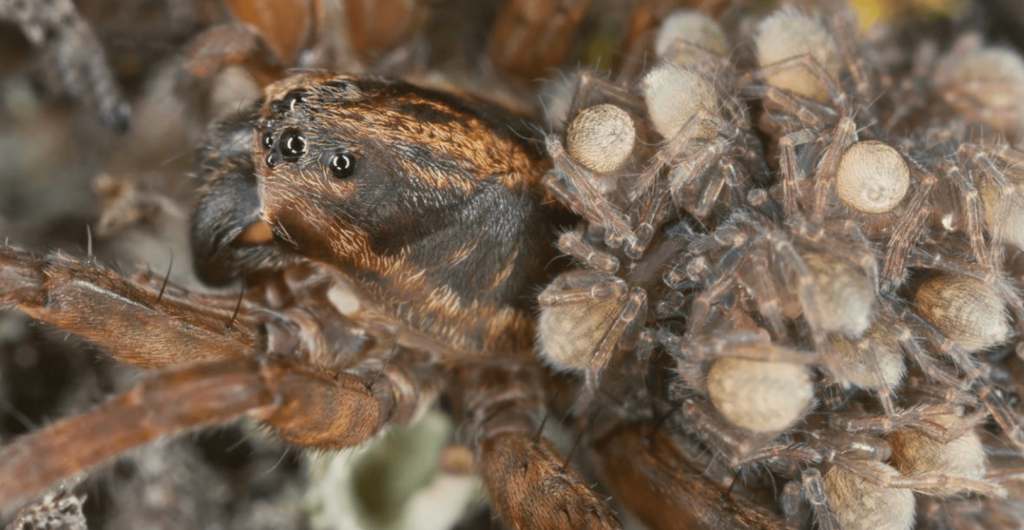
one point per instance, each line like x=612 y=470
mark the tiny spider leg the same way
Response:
x=572 y=243
x=578 y=192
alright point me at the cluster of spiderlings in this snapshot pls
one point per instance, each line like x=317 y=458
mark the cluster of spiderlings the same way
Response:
x=823 y=236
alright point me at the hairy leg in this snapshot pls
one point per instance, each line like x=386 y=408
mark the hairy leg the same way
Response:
x=649 y=475
x=138 y=323
x=308 y=407
x=529 y=484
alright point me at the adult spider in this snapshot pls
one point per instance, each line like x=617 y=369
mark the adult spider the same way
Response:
x=324 y=176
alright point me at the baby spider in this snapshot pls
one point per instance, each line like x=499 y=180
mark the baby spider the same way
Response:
x=746 y=392
x=915 y=453
x=757 y=386
x=804 y=102
x=813 y=93
x=856 y=472
x=596 y=155
x=707 y=145
x=982 y=83
x=857 y=502
x=687 y=37
x=782 y=274
x=962 y=306
x=869 y=182
x=584 y=316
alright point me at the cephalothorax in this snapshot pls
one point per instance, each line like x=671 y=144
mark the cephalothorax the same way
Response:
x=411 y=194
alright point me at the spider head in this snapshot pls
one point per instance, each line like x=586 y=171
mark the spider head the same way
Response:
x=414 y=195
x=362 y=172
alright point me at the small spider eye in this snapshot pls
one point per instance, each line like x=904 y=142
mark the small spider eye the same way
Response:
x=342 y=165
x=289 y=101
x=294 y=98
x=267 y=141
x=291 y=144
x=272 y=158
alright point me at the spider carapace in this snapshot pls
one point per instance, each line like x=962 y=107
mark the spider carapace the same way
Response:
x=430 y=204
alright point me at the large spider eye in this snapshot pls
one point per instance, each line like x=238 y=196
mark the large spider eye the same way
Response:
x=291 y=144
x=342 y=165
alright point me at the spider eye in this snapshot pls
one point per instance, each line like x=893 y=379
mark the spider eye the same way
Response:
x=293 y=98
x=272 y=159
x=342 y=165
x=291 y=144
x=288 y=102
x=267 y=141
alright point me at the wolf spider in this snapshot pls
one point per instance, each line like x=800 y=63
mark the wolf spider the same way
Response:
x=780 y=270
x=321 y=176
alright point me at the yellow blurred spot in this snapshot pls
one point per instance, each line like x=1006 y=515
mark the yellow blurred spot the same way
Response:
x=872 y=12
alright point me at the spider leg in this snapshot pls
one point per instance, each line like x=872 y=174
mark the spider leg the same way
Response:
x=169 y=402
x=576 y=190
x=304 y=406
x=684 y=178
x=573 y=244
x=727 y=173
x=792 y=175
x=809 y=113
x=649 y=475
x=815 y=488
x=232 y=44
x=785 y=252
x=1004 y=415
x=840 y=101
x=715 y=432
x=920 y=481
x=561 y=293
x=905 y=234
x=528 y=483
x=867 y=349
x=733 y=344
x=885 y=424
x=844 y=136
x=844 y=28
x=701 y=307
x=767 y=298
x=943 y=345
x=527 y=39
x=971 y=199
x=1003 y=192
x=634 y=305
x=140 y=324
x=650 y=210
